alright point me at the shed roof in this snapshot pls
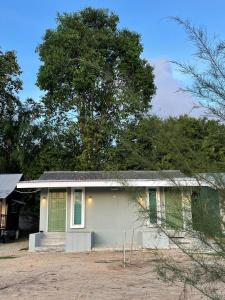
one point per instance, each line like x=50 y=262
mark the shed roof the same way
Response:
x=72 y=179
x=8 y=183
x=109 y=175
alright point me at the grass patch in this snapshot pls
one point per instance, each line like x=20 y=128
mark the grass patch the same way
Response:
x=8 y=257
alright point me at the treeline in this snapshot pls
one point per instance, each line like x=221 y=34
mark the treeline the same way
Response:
x=30 y=144
x=96 y=110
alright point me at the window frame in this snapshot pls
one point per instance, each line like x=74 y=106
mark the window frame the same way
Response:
x=72 y=201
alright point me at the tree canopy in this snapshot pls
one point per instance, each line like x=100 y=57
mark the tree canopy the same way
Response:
x=10 y=108
x=96 y=110
x=184 y=143
x=94 y=76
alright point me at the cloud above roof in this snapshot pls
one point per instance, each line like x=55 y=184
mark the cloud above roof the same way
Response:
x=168 y=101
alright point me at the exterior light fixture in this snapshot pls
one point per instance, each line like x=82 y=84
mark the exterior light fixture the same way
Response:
x=90 y=199
x=44 y=200
x=141 y=201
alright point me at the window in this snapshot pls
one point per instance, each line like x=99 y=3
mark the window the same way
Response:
x=152 y=206
x=77 y=208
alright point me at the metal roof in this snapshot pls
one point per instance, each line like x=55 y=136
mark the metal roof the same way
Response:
x=64 y=179
x=109 y=175
x=8 y=183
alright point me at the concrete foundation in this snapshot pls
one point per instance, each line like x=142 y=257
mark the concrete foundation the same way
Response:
x=152 y=238
x=78 y=241
x=35 y=241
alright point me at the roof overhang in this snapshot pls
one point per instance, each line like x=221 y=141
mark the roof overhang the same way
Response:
x=8 y=183
x=111 y=183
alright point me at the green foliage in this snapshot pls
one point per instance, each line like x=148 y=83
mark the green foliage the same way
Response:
x=135 y=147
x=95 y=113
x=93 y=75
x=10 y=107
x=192 y=145
x=187 y=144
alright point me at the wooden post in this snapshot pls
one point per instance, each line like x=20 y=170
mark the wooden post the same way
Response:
x=124 y=250
x=131 y=246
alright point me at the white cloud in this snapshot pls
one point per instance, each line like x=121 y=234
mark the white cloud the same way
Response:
x=168 y=101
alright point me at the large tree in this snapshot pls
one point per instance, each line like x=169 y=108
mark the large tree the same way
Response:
x=93 y=75
x=18 y=120
x=10 y=85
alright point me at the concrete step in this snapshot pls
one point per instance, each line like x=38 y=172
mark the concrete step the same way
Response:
x=52 y=243
x=52 y=235
x=186 y=242
x=50 y=249
x=53 y=240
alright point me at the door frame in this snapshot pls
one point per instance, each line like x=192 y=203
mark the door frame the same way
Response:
x=49 y=190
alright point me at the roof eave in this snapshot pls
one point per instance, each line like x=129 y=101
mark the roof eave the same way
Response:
x=109 y=183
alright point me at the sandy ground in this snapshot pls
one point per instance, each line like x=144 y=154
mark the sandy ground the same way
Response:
x=95 y=275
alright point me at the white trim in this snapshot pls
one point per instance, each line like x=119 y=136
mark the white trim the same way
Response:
x=47 y=210
x=147 y=197
x=163 y=207
x=183 y=209
x=82 y=225
x=110 y=183
x=147 y=207
x=158 y=205
x=66 y=208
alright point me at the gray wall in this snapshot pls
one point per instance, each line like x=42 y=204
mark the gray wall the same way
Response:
x=110 y=213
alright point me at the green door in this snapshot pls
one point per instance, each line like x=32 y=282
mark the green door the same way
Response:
x=173 y=209
x=57 y=211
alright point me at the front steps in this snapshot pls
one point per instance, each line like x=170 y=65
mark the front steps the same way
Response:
x=76 y=241
x=51 y=242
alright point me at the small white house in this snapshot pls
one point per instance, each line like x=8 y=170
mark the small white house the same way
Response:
x=81 y=211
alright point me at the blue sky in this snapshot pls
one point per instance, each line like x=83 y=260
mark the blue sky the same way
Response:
x=23 y=23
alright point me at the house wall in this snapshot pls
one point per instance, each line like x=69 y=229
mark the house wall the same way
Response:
x=110 y=213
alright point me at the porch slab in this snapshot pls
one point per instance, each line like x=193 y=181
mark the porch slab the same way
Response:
x=78 y=241
x=155 y=239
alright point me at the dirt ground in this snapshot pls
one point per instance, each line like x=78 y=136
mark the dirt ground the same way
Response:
x=94 y=275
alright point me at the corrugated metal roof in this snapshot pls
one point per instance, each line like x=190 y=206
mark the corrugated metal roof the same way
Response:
x=109 y=175
x=8 y=183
